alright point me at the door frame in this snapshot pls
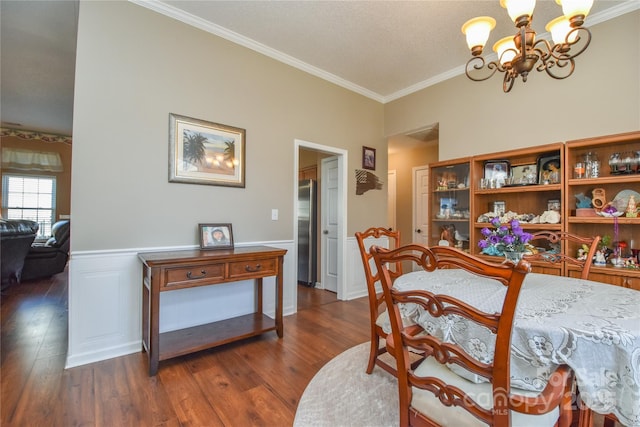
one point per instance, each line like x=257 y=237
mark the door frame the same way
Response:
x=342 y=156
x=392 y=180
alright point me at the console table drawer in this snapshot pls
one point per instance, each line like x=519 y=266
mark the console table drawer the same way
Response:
x=192 y=275
x=252 y=268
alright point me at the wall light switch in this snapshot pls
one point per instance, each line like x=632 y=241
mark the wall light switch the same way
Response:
x=274 y=214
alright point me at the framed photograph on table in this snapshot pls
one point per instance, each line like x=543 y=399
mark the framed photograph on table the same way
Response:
x=524 y=174
x=215 y=236
x=368 y=158
x=202 y=152
x=549 y=169
x=496 y=170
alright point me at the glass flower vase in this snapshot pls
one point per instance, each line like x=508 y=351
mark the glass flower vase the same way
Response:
x=513 y=256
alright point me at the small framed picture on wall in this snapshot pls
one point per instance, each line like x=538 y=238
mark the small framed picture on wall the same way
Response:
x=368 y=158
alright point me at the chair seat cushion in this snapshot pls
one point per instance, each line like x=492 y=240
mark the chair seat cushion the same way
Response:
x=384 y=322
x=427 y=403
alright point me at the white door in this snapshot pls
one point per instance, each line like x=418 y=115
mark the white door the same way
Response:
x=421 y=205
x=329 y=222
x=391 y=200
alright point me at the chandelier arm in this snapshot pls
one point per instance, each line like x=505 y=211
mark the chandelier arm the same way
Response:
x=507 y=82
x=557 y=56
x=582 y=34
x=544 y=50
x=478 y=63
x=568 y=61
x=562 y=51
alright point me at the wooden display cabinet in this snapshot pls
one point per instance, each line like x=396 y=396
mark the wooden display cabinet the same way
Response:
x=450 y=201
x=518 y=197
x=591 y=224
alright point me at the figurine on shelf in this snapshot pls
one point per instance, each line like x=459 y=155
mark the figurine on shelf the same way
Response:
x=583 y=201
x=447 y=235
x=632 y=210
x=600 y=259
x=582 y=253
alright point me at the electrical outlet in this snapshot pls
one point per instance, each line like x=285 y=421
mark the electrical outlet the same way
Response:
x=274 y=214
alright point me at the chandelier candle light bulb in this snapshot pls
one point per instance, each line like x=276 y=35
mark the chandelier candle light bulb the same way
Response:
x=520 y=54
x=506 y=50
x=477 y=31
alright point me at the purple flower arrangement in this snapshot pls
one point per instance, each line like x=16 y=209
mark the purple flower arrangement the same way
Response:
x=503 y=238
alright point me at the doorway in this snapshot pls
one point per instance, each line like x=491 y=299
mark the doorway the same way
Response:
x=407 y=151
x=339 y=252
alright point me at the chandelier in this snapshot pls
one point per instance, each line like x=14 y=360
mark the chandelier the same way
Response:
x=518 y=55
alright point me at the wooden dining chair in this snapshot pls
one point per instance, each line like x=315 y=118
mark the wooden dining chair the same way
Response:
x=377 y=307
x=566 y=244
x=432 y=394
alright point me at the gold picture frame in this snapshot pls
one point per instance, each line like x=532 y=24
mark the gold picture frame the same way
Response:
x=203 y=152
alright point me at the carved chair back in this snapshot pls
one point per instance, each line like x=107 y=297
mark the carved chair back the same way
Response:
x=377 y=305
x=432 y=377
x=566 y=247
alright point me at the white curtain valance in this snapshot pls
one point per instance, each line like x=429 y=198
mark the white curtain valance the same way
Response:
x=16 y=158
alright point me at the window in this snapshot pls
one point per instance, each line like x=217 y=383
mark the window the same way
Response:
x=30 y=197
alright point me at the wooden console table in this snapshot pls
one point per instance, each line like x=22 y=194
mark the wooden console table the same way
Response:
x=167 y=271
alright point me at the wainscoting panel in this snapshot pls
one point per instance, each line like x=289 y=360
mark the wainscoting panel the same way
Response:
x=104 y=306
x=105 y=302
x=356 y=282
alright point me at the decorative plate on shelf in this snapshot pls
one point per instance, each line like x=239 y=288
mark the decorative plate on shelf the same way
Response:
x=610 y=215
x=621 y=201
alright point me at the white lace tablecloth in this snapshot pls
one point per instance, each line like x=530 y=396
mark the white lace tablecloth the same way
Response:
x=592 y=327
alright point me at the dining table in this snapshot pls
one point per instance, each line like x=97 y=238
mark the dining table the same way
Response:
x=592 y=327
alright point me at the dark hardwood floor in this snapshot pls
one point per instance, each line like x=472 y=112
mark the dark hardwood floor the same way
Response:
x=256 y=382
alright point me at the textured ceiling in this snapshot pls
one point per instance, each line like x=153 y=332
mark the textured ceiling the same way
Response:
x=381 y=49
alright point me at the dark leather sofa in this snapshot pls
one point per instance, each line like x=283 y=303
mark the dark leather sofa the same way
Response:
x=44 y=260
x=16 y=236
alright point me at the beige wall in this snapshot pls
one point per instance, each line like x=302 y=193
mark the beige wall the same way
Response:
x=403 y=163
x=63 y=179
x=601 y=97
x=133 y=68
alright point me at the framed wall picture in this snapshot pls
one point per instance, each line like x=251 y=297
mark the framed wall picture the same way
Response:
x=524 y=174
x=202 y=152
x=549 y=170
x=368 y=158
x=496 y=170
x=215 y=236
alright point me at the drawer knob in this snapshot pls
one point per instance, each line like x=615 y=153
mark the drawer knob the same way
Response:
x=190 y=277
x=251 y=270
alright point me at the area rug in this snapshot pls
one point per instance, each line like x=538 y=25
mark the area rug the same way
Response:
x=343 y=394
